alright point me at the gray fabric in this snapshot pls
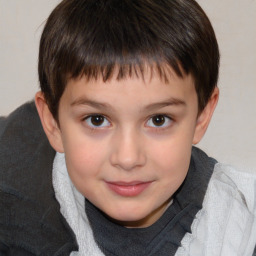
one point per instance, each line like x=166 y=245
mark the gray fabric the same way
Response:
x=30 y=220
x=163 y=237
x=3 y=124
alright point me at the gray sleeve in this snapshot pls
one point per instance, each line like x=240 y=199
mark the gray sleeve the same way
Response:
x=3 y=122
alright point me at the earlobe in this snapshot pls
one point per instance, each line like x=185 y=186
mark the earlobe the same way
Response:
x=49 y=124
x=205 y=117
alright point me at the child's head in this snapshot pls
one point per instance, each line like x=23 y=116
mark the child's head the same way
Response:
x=94 y=38
x=127 y=88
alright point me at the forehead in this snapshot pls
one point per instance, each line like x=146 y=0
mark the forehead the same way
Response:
x=146 y=88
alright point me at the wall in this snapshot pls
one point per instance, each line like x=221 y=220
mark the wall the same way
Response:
x=231 y=136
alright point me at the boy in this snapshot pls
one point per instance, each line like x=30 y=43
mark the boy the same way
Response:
x=127 y=87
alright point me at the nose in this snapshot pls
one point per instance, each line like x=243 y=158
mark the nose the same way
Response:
x=128 y=151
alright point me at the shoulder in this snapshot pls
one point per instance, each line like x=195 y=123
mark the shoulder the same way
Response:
x=20 y=131
x=24 y=149
x=23 y=116
x=241 y=184
x=226 y=225
x=230 y=207
x=29 y=218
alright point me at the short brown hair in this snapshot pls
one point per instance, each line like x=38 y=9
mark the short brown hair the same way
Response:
x=92 y=38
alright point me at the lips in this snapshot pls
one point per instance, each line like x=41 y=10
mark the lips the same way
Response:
x=128 y=189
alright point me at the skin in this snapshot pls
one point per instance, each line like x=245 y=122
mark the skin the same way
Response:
x=125 y=143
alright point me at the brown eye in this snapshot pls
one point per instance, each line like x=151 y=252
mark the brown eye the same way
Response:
x=97 y=121
x=159 y=121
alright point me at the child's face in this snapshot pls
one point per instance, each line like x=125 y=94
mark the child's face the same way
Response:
x=128 y=143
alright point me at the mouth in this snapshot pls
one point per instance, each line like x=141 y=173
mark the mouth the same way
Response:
x=128 y=189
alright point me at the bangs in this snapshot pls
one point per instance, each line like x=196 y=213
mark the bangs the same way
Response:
x=127 y=68
x=122 y=38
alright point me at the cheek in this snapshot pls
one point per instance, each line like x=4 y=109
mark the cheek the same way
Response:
x=83 y=157
x=84 y=164
x=172 y=159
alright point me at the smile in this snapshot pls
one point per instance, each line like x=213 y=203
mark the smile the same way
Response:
x=129 y=189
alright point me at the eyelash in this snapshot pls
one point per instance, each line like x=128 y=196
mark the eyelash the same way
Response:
x=104 y=119
x=165 y=118
x=88 y=119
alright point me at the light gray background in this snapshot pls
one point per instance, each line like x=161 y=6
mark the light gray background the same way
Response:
x=231 y=137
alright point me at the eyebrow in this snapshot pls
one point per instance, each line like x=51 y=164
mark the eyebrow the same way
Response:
x=150 y=107
x=165 y=103
x=92 y=103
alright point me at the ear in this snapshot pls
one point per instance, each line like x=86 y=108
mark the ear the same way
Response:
x=50 y=125
x=205 y=116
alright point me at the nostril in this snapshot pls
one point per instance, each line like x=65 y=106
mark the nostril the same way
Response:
x=128 y=159
x=127 y=149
